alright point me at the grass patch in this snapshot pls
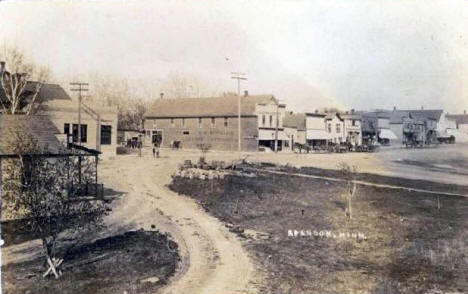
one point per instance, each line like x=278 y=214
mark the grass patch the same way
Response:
x=111 y=265
x=411 y=246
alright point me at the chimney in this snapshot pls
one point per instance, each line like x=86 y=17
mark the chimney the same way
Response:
x=316 y=110
x=422 y=107
x=464 y=111
x=246 y=93
x=2 y=66
x=394 y=108
x=161 y=95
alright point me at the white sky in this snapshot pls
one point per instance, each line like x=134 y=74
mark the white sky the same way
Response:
x=358 y=54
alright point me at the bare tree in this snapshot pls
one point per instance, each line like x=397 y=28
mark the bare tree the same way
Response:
x=185 y=85
x=349 y=174
x=119 y=93
x=44 y=192
x=21 y=81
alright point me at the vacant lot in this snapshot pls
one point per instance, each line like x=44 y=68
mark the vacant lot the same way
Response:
x=135 y=262
x=414 y=242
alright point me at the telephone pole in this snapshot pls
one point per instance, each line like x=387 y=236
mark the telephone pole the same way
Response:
x=277 y=124
x=79 y=87
x=238 y=76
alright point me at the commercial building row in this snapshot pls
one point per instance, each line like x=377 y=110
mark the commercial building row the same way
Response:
x=266 y=125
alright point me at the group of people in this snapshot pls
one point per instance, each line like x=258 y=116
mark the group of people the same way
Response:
x=134 y=144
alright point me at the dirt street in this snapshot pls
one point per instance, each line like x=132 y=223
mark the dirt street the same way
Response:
x=213 y=260
x=444 y=164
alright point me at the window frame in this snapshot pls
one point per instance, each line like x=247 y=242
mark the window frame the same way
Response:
x=101 y=136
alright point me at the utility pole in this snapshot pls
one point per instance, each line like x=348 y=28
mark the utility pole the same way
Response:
x=277 y=125
x=79 y=87
x=238 y=76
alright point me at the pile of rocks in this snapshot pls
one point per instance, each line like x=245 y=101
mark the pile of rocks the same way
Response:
x=203 y=170
x=196 y=173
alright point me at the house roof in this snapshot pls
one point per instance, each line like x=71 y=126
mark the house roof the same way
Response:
x=351 y=116
x=214 y=106
x=376 y=114
x=295 y=120
x=332 y=115
x=41 y=128
x=461 y=119
x=397 y=116
x=48 y=92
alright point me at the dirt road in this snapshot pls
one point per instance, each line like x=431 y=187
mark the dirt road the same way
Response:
x=213 y=260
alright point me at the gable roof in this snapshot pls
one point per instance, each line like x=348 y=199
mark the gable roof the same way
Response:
x=461 y=119
x=295 y=120
x=214 y=106
x=40 y=127
x=330 y=116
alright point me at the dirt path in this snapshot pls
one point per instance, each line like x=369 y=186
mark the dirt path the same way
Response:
x=213 y=260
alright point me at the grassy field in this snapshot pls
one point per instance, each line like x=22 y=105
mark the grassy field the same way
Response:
x=135 y=262
x=414 y=242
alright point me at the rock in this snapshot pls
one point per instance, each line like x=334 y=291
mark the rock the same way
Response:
x=152 y=280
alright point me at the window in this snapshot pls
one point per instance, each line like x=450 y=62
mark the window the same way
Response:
x=329 y=127
x=263 y=120
x=213 y=122
x=66 y=129
x=338 y=128
x=225 y=122
x=148 y=133
x=199 y=122
x=354 y=122
x=106 y=135
x=83 y=131
x=172 y=122
x=186 y=133
x=271 y=120
x=183 y=122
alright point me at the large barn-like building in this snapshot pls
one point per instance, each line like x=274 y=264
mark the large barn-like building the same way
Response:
x=191 y=122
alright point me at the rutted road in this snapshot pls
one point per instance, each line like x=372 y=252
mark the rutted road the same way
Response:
x=213 y=259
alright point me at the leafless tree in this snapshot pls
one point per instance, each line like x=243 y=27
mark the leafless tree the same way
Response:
x=185 y=85
x=21 y=81
x=119 y=93
x=45 y=193
x=349 y=174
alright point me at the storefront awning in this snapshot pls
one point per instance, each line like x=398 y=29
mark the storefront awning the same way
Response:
x=270 y=135
x=317 y=135
x=387 y=134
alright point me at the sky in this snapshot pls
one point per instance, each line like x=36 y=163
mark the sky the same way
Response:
x=309 y=54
